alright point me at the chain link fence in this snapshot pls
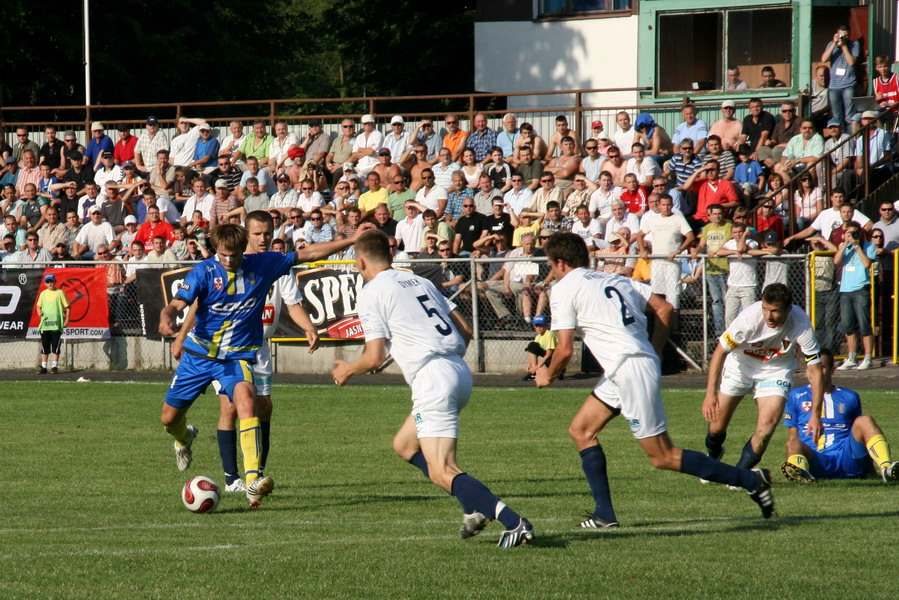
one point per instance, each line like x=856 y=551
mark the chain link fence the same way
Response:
x=501 y=309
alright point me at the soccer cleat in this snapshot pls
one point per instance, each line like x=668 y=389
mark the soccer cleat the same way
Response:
x=762 y=495
x=259 y=489
x=183 y=454
x=719 y=458
x=472 y=525
x=522 y=534
x=796 y=473
x=849 y=363
x=890 y=472
x=865 y=365
x=529 y=377
x=593 y=522
x=42 y=371
x=236 y=486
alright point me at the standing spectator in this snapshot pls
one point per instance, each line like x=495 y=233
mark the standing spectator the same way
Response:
x=149 y=144
x=518 y=278
x=714 y=235
x=692 y=128
x=827 y=294
x=775 y=269
x=758 y=126
x=855 y=257
x=742 y=282
x=52 y=308
x=671 y=235
x=886 y=84
x=841 y=53
x=98 y=144
x=728 y=127
x=880 y=156
x=888 y=227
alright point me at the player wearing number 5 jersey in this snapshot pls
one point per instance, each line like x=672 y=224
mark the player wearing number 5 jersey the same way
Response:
x=405 y=315
x=757 y=353
x=610 y=314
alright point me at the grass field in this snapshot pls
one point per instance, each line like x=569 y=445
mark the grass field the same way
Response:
x=93 y=507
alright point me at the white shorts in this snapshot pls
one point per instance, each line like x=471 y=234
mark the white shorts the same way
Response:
x=665 y=279
x=262 y=371
x=635 y=390
x=735 y=381
x=440 y=390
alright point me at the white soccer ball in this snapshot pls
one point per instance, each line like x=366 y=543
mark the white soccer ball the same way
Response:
x=200 y=494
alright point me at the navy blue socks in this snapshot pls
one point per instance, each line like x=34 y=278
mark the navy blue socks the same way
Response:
x=227 y=440
x=593 y=461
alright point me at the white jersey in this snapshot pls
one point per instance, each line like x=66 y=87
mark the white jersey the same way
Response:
x=283 y=291
x=608 y=312
x=754 y=345
x=412 y=316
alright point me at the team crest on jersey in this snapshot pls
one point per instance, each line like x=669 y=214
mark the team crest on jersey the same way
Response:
x=252 y=278
x=841 y=408
x=807 y=406
x=218 y=284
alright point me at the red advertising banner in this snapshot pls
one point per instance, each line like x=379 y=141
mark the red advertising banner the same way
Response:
x=88 y=302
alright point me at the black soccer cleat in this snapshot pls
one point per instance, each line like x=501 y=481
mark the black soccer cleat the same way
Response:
x=522 y=534
x=594 y=522
x=762 y=495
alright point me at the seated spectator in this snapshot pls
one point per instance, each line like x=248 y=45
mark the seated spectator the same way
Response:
x=621 y=218
x=108 y=171
x=886 y=84
x=179 y=243
x=807 y=201
x=159 y=253
x=256 y=144
x=725 y=158
x=655 y=140
x=728 y=127
x=33 y=252
x=645 y=169
x=127 y=236
x=540 y=351
x=386 y=169
x=554 y=220
x=780 y=193
x=317 y=230
x=519 y=197
x=564 y=166
x=309 y=199
x=73 y=226
x=748 y=174
x=548 y=192
x=603 y=196
x=767 y=220
x=579 y=195
x=440 y=230
x=114 y=210
x=840 y=154
x=611 y=256
x=154 y=226
x=374 y=196
x=430 y=195
x=366 y=147
x=95 y=234
x=770 y=80
x=499 y=171
x=223 y=203
x=615 y=165
x=710 y=189
x=734 y=83
x=470 y=227
x=498 y=222
x=123 y=152
x=264 y=179
x=634 y=195
x=471 y=168
x=802 y=150
x=588 y=228
x=150 y=143
x=197 y=250
x=784 y=130
x=691 y=128
x=592 y=163
x=880 y=155
x=683 y=165
x=742 y=282
x=519 y=277
x=485 y=195
x=626 y=135
x=454 y=275
x=282 y=200
x=524 y=224
x=410 y=231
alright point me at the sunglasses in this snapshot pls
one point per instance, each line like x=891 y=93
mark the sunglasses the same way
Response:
x=315 y=219
x=468 y=206
x=590 y=147
x=307 y=189
x=347 y=126
x=451 y=122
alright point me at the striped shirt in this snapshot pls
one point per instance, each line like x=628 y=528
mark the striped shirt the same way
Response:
x=682 y=169
x=148 y=146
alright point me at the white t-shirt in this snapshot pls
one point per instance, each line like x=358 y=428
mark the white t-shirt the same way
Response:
x=519 y=201
x=624 y=140
x=647 y=168
x=607 y=311
x=668 y=233
x=443 y=176
x=751 y=343
x=412 y=234
x=432 y=198
x=587 y=232
x=204 y=205
x=742 y=270
x=830 y=219
x=307 y=203
x=285 y=291
x=184 y=146
x=95 y=235
x=630 y=221
x=412 y=316
x=602 y=201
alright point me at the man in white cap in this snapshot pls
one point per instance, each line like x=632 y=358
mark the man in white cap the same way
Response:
x=366 y=146
x=95 y=148
x=397 y=139
x=728 y=127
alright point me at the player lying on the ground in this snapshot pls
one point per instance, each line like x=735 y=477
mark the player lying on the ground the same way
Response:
x=757 y=353
x=851 y=445
x=230 y=289
x=404 y=315
x=610 y=313
x=285 y=293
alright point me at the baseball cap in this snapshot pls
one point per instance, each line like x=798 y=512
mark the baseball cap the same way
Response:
x=597 y=124
x=771 y=237
x=612 y=237
x=49 y=277
x=728 y=104
x=395 y=119
x=221 y=183
x=744 y=149
x=151 y=120
x=128 y=163
x=540 y=320
x=93 y=209
x=834 y=122
x=130 y=219
x=122 y=127
x=348 y=166
x=384 y=152
x=97 y=126
x=367 y=119
x=204 y=127
x=107 y=154
x=315 y=122
x=869 y=114
x=546 y=232
x=281 y=177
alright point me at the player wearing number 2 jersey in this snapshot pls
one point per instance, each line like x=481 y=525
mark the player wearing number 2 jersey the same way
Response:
x=405 y=315
x=609 y=312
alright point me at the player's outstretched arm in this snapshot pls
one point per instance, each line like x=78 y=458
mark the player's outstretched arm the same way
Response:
x=177 y=348
x=168 y=317
x=323 y=250
x=462 y=325
x=716 y=364
x=561 y=356
x=663 y=312
x=373 y=356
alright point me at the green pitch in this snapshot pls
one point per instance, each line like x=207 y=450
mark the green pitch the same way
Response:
x=92 y=506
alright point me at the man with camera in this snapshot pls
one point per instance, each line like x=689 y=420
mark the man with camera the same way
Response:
x=854 y=257
x=842 y=54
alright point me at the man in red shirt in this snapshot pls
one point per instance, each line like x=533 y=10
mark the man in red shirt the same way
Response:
x=152 y=227
x=124 y=148
x=711 y=189
x=634 y=195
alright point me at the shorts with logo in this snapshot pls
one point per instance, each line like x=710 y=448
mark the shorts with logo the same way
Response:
x=440 y=390
x=635 y=390
x=766 y=382
x=194 y=374
x=262 y=373
x=845 y=459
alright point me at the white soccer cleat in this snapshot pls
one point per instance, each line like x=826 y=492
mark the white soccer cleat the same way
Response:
x=472 y=524
x=259 y=489
x=183 y=454
x=890 y=473
x=236 y=486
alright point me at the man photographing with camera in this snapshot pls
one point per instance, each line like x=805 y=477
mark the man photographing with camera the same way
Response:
x=855 y=257
x=842 y=54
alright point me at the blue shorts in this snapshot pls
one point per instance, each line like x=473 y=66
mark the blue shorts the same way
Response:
x=194 y=374
x=846 y=459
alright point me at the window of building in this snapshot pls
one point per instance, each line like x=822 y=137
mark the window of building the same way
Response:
x=565 y=8
x=696 y=50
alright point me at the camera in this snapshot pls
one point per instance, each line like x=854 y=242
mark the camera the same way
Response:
x=843 y=37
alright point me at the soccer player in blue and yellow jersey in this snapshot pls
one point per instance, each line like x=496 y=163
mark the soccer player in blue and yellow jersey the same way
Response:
x=850 y=440
x=230 y=291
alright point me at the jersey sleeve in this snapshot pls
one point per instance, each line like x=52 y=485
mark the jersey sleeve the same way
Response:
x=290 y=291
x=644 y=292
x=734 y=335
x=374 y=324
x=564 y=315
x=189 y=289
